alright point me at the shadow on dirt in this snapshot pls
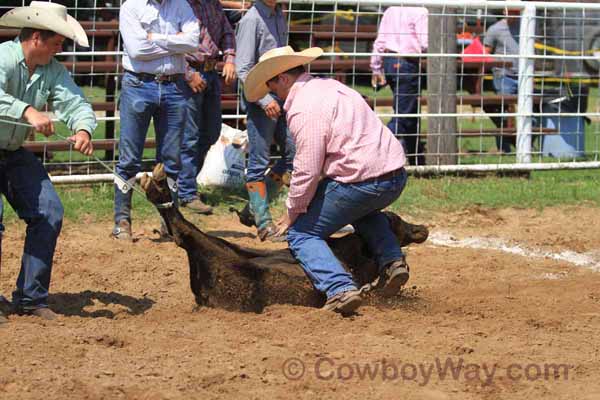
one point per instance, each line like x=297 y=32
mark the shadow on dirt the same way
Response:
x=100 y=304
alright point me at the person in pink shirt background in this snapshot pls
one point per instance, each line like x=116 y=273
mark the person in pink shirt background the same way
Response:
x=403 y=30
x=348 y=167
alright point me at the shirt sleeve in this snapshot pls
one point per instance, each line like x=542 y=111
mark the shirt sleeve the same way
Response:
x=227 y=44
x=310 y=129
x=135 y=37
x=9 y=106
x=189 y=39
x=379 y=46
x=69 y=103
x=489 y=39
x=245 y=54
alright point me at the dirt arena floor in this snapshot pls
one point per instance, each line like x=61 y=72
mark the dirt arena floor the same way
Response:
x=502 y=304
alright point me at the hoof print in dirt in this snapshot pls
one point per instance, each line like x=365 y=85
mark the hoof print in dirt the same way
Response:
x=227 y=276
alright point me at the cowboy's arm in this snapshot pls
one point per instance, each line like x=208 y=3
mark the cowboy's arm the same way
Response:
x=69 y=104
x=309 y=128
x=246 y=53
x=9 y=105
x=135 y=37
x=227 y=43
x=187 y=40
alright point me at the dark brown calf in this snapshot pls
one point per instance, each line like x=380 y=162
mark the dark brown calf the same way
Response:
x=227 y=276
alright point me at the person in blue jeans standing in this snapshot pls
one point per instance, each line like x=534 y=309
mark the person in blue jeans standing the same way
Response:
x=348 y=167
x=156 y=37
x=30 y=77
x=263 y=28
x=402 y=31
x=203 y=123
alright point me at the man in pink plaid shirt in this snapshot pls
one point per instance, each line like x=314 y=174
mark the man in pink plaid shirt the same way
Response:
x=348 y=167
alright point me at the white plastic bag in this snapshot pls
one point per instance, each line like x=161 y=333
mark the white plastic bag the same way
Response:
x=225 y=161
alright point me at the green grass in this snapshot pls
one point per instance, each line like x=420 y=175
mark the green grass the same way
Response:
x=422 y=195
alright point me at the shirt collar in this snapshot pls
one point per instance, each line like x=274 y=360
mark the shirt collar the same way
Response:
x=263 y=9
x=19 y=49
x=299 y=84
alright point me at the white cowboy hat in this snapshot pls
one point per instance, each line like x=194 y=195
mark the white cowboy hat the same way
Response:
x=48 y=16
x=273 y=63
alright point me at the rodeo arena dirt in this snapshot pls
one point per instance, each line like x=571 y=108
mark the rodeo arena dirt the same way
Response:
x=503 y=302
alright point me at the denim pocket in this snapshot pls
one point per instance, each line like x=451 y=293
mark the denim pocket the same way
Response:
x=131 y=81
x=372 y=188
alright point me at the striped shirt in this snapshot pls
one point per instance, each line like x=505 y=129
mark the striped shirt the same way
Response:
x=165 y=53
x=337 y=136
x=216 y=33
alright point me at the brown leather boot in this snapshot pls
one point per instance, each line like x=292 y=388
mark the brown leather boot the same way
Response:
x=197 y=206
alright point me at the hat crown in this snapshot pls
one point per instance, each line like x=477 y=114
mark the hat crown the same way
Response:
x=276 y=52
x=57 y=10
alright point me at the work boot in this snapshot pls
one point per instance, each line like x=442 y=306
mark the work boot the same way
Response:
x=43 y=313
x=393 y=277
x=259 y=207
x=196 y=205
x=274 y=184
x=344 y=303
x=122 y=231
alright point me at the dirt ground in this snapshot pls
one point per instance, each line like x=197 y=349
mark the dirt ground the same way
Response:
x=500 y=325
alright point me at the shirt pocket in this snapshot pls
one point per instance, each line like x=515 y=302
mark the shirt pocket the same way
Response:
x=41 y=98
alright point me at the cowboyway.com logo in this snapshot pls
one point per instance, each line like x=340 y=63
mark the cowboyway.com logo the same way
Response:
x=324 y=368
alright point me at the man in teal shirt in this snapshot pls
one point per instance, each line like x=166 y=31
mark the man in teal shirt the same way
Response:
x=30 y=78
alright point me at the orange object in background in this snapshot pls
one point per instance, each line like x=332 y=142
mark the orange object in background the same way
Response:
x=476 y=47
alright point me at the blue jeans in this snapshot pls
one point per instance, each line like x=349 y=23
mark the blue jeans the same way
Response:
x=140 y=101
x=27 y=188
x=505 y=85
x=404 y=80
x=202 y=130
x=262 y=132
x=335 y=205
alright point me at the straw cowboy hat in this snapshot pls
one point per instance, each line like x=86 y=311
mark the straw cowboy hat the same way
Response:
x=48 y=16
x=273 y=63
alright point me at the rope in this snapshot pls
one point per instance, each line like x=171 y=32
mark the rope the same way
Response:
x=95 y=158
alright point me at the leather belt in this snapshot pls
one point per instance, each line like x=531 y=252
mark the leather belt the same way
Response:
x=412 y=60
x=143 y=76
x=386 y=176
x=206 y=66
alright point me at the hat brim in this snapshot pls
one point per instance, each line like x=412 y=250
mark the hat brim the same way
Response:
x=28 y=17
x=255 y=86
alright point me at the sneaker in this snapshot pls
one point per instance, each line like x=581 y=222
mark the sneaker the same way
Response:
x=270 y=233
x=197 y=206
x=122 y=231
x=345 y=302
x=393 y=277
x=43 y=313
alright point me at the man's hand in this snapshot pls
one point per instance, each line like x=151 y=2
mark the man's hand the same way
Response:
x=229 y=73
x=40 y=121
x=283 y=224
x=197 y=83
x=378 y=80
x=82 y=142
x=273 y=110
